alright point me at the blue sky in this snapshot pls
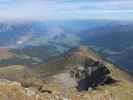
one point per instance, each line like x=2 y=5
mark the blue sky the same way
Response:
x=66 y=9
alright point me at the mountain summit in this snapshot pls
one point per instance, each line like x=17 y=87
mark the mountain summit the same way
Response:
x=78 y=74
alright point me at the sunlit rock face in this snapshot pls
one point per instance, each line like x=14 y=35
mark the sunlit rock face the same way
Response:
x=91 y=74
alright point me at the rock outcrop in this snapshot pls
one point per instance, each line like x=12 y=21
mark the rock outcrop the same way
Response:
x=87 y=71
x=11 y=90
x=90 y=74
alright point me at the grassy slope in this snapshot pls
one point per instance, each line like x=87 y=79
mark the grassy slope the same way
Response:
x=21 y=74
x=122 y=90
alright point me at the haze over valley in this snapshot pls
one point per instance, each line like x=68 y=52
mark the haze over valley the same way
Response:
x=112 y=39
x=66 y=50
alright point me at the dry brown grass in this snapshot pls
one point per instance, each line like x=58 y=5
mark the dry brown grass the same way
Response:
x=5 y=54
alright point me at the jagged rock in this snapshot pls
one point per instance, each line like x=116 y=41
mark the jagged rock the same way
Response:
x=90 y=74
x=30 y=92
x=15 y=84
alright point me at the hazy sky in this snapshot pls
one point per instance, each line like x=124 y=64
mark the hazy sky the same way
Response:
x=66 y=9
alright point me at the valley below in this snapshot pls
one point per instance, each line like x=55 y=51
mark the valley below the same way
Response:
x=66 y=60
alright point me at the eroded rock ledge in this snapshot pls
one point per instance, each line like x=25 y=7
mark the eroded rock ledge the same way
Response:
x=90 y=74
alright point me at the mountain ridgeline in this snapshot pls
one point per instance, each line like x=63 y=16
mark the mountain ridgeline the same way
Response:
x=66 y=60
x=63 y=35
x=77 y=74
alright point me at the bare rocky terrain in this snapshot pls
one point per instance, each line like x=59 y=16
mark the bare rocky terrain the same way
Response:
x=20 y=83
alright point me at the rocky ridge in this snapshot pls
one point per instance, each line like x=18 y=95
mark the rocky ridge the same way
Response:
x=11 y=90
x=63 y=85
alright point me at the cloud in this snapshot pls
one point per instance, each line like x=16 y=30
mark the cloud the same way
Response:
x=66 y=10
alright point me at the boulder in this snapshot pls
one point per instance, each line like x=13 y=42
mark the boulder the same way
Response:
x=89 y=74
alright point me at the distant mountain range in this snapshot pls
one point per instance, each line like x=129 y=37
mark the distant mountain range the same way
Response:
x=13 y=33
x=112 y=39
